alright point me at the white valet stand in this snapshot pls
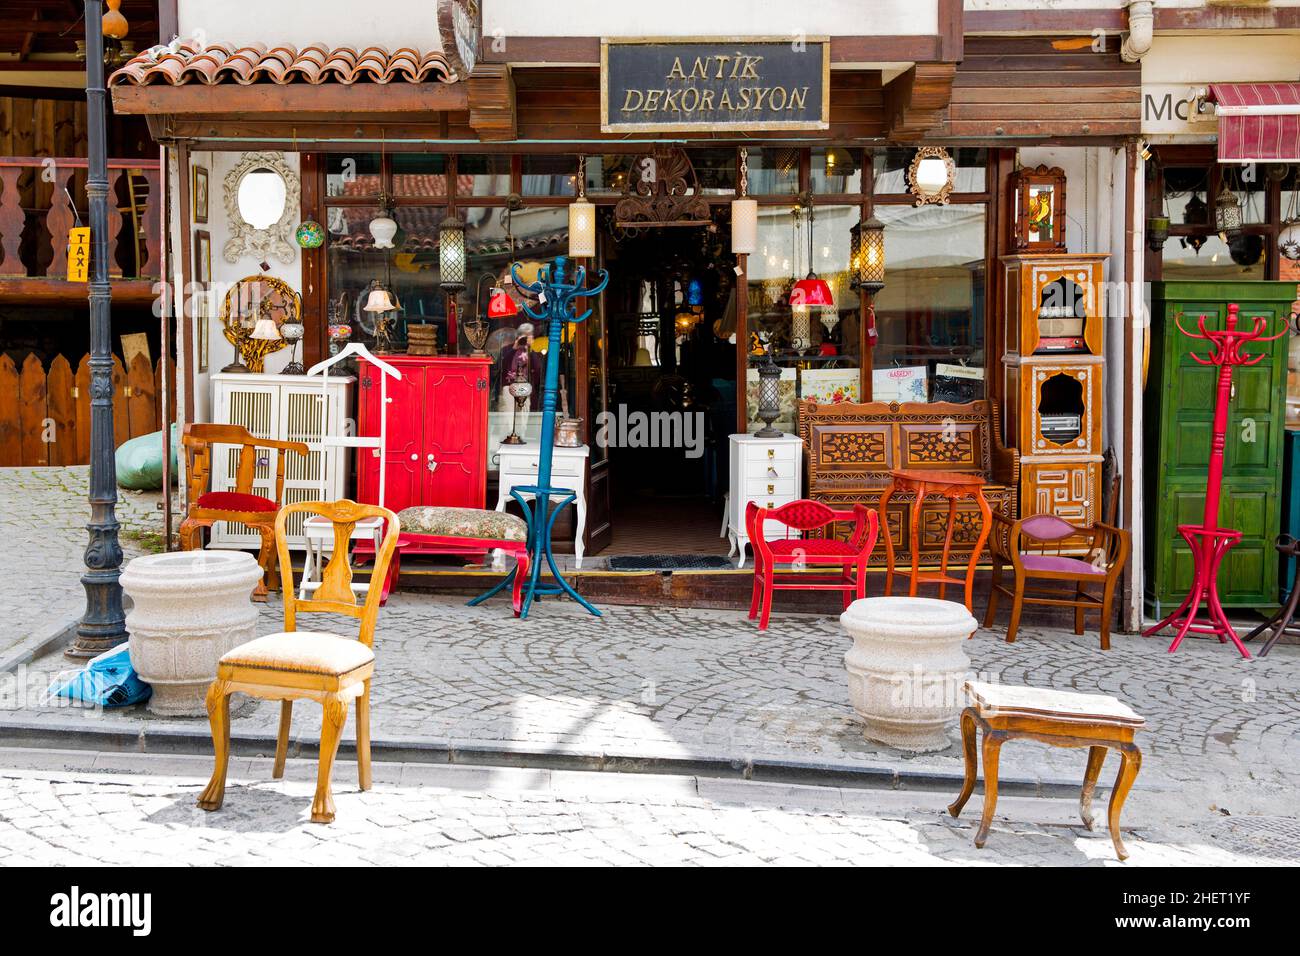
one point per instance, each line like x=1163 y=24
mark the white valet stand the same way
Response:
x=318 y=531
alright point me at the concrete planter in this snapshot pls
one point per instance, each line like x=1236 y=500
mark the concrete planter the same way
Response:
x=906 y=668
x=190 y=608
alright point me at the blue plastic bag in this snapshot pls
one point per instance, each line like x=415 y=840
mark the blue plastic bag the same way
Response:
x=108 y=680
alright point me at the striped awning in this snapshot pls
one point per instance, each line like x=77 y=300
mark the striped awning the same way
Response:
x=1258 y=122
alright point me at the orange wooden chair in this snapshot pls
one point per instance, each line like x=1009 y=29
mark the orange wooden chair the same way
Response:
x=797 y=553
x=242 y=505
x=323 y=667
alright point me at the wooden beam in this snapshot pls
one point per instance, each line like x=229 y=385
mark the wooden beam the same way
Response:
x=37 y=291
x=296 y=98
x=915 y=102
x=492 y=102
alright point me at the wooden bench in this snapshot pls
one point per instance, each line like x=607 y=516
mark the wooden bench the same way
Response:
x=1059 y=718
x=852 y=447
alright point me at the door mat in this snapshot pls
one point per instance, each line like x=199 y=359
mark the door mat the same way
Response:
x=670 y=562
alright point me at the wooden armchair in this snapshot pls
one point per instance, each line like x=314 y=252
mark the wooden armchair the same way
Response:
x=242 y=505
x=323 y=667
x=1067 y=557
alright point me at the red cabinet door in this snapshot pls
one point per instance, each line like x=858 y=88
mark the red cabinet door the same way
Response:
x=404 y=463
x=455 y=433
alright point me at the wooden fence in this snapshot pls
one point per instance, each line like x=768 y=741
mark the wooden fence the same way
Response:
x=45 y=415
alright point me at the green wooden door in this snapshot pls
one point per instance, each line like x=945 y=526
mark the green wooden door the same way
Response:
x=1180 y=401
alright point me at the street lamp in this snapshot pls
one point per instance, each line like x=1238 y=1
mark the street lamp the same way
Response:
x=104 y=623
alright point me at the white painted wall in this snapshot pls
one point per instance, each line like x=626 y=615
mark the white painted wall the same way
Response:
x=390 y=23
x=1096 y=4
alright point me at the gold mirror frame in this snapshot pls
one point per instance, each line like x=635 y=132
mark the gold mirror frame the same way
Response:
x=253 y=352
x=932 y=152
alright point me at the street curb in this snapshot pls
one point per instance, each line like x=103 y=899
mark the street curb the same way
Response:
x=30 y=648
x=38 y=735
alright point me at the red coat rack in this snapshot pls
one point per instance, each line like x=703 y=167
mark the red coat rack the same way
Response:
x=1209 y=542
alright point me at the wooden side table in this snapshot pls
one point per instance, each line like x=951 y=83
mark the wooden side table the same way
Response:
x=953 y=485
x=1058 y=718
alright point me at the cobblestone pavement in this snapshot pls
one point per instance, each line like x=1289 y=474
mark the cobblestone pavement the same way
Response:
x=43 y=530
x=676 y=683
x=84 y=809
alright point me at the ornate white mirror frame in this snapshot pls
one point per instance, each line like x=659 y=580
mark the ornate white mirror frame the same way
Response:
x=277 y=239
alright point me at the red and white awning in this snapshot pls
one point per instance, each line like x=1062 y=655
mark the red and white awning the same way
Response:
x=1258 y=122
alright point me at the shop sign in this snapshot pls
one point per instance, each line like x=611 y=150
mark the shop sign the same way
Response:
x=79 y=254
x=683 y=85
x=1172 y=108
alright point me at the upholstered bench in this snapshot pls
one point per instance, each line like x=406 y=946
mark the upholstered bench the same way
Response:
x=1055 y=717
x=468 y=532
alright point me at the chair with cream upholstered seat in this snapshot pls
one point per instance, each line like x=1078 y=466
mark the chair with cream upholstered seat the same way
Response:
x=323 y=667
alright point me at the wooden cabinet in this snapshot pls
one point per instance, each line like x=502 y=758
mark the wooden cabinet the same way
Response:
x=436 y=450
x=289 y=408
x=1178 y=427
x=1053 y=377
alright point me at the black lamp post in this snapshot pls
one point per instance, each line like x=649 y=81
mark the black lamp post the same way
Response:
x=104 y=623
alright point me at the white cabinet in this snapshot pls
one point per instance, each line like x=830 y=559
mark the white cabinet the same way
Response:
x=767 y=471
x=519 y=463
x=289 y=408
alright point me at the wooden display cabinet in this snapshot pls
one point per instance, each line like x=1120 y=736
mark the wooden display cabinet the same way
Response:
x=1053 y=377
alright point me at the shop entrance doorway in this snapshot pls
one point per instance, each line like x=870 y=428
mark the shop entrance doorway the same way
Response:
x=670 y=386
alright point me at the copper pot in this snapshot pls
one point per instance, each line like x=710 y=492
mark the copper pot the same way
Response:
x=568 y=432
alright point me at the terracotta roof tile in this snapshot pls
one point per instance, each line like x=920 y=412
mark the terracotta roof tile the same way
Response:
x=187 y=62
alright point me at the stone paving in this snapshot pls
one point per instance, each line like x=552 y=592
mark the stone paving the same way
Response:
x=88 y=809
x=43 y=531
x=676 y=683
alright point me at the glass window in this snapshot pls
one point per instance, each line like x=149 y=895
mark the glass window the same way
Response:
x=775 y=171
x=715 y=169
x=1209 y=257
x=352 y=174
x=420 y=175
x=483 y=175
x=930 y=314
x=835 y=169
x=891 y=170
x=553 y=175
x=1187 y=195
x=607 y=174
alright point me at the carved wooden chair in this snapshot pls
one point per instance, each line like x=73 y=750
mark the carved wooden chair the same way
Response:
x=243 y=504
x=797 y=552
x=323 y=667
x=1066 y=558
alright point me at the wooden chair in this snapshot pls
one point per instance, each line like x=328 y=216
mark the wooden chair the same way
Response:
x=798 y=552
x=243 y=504
x=324 y=667
x=1069 y=558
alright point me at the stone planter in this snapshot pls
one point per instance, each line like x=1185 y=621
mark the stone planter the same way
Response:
x=906 y=668
x=190 y=608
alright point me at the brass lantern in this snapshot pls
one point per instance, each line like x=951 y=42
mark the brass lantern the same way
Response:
x=451 y=255
x=867 y=255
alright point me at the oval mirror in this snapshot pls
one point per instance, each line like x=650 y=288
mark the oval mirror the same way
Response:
x=261 y=197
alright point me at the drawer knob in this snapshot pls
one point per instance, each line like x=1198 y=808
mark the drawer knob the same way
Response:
x=771 y=453
x=771 y=489
x=770 y=505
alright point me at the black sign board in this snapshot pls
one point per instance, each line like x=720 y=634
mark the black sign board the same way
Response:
x=706 y=84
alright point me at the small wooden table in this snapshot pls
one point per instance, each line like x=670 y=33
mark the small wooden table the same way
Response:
x=1059 y=718
x=953 y=485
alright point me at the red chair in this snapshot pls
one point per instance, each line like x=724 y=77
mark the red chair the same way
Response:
x=798 y=552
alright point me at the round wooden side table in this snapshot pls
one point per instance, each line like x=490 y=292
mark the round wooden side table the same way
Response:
x=954 y=486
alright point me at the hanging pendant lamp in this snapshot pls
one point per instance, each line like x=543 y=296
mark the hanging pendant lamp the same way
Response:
x=811 y=291
x=582 y=219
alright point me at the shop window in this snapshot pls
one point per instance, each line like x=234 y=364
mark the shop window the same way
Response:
x=715 y=169
x=774 y=171
x=890 y=170
x=607 y=174
x=1207 y=256
x=930 y=315
x=419 y=175
x=352 y=175
x=835 y=169
x=483 y=175
x=549 y=175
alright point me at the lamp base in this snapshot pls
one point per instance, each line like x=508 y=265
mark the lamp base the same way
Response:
x=293 y=368
x=767 y=431
x=237 y=366
x=513 y=439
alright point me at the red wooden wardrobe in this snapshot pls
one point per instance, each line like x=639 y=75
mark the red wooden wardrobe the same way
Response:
x=437 y=432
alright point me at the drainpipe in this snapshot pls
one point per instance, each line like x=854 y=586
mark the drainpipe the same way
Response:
x=1141 y=26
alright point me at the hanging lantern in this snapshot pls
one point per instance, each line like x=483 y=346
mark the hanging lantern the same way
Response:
x=1157 y=232
x=744 y=214
x=451 y=255
x=582 y=220
x=1227 y=214
x=383 y=227
x=1288 y=240
x=811 y=292
x=869 y=261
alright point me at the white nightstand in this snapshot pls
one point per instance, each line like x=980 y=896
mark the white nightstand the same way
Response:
x=518 y=466
x=767 y=471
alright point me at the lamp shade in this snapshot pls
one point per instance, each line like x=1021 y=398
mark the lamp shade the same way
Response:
x=265 y=329
x=811 y=293
x=383 y=227
x=1227 y=214
x=500 y=305
x=871 y=255
x=451 y=254
x=582 y=229
x=1288 y=240
x=744 y=226
x=379 y=301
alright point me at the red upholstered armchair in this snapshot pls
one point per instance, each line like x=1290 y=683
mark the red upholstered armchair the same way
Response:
x=797 y=552
x=1055 y=563
x=242 y=505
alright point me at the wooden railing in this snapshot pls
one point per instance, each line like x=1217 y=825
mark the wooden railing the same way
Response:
x=45 y=415
x=36 y=214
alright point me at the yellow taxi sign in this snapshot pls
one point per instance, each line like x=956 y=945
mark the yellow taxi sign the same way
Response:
x=79 y=254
